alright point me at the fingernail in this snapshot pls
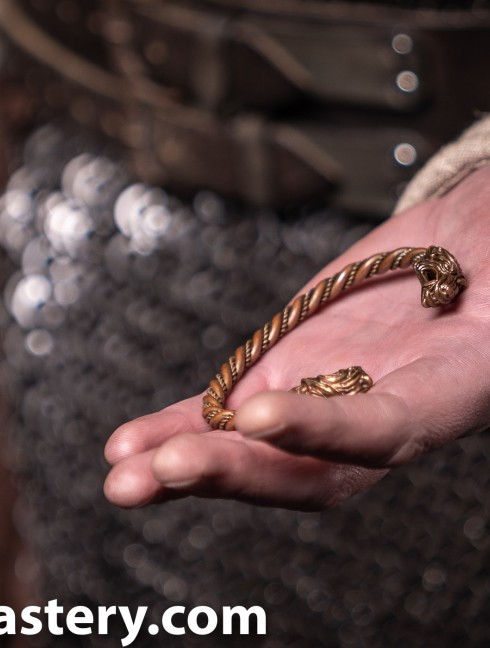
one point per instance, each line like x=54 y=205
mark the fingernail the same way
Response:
x=172 y=470
x=264 y=435
x=180 y=485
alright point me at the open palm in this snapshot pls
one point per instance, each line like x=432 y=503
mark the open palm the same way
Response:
x=431 y=371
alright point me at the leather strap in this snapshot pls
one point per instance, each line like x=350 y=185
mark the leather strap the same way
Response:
x=271 y=102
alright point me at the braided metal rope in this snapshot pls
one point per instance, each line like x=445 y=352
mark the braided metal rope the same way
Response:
x=437 y=269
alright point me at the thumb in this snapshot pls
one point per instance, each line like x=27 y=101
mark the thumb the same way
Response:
x=397 y=420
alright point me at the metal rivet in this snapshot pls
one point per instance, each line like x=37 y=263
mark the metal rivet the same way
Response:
x=402 y=44
x=407 y=81
x=405 y=154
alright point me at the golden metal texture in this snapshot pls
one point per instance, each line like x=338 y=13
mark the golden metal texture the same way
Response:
x=440 y=276
x=441 y=279
x=344 y=382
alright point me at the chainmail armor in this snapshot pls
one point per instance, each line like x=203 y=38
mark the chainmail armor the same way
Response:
x=103 y=272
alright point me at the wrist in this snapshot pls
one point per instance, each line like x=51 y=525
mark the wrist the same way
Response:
x=450 y=166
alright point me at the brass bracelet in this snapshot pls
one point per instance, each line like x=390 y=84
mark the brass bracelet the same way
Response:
x=438 y=272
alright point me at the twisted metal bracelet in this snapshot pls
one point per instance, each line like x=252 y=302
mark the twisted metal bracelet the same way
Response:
x=441 y=279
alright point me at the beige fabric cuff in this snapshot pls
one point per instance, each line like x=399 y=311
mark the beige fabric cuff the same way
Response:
x=449 y=166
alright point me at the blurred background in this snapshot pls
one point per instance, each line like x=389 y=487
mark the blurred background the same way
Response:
x=172 y=173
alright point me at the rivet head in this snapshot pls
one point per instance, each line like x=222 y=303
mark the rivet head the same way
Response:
x=405 y=154
x=407 y=81
x=402 y=43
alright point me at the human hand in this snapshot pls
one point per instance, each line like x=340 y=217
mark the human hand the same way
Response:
x=431 y=371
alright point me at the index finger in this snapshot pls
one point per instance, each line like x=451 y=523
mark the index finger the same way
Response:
x=151 y=430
